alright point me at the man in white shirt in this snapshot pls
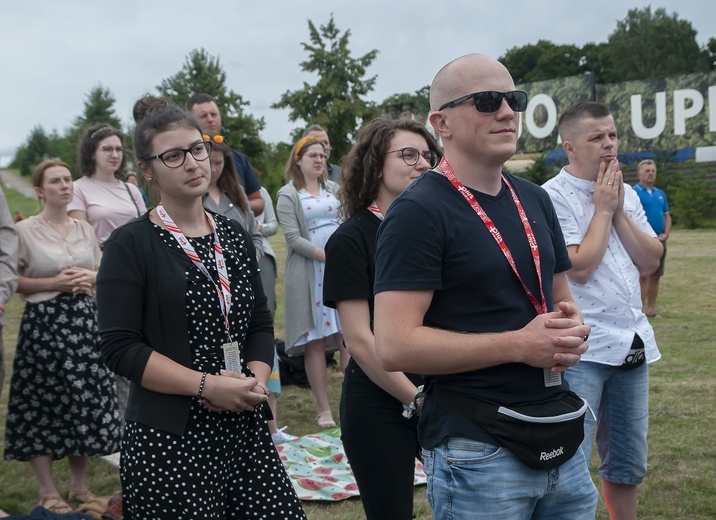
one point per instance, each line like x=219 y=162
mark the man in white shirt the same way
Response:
x=609 y=241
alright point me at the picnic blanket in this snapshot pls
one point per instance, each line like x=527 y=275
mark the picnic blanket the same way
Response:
x=319 y=469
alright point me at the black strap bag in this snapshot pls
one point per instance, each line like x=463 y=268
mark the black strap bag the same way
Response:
x=542 y=435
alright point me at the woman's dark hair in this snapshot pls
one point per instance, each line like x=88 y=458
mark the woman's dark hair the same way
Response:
x=293 y=170
x=363 y=166
x=153 y=116
x=228 y=181
x=88 y=146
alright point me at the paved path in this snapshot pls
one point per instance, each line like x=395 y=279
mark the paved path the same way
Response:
x=17 y=183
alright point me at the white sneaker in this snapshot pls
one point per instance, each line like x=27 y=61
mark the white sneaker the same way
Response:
x=281 y=436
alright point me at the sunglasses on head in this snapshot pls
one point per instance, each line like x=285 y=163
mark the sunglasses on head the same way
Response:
x=491 y=100
x=216 y=138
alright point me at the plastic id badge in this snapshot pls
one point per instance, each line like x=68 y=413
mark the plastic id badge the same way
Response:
x=232 y=360
x=552 y=378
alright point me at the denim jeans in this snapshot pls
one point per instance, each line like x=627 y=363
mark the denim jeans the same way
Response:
x=471 y=479
x=620 y=400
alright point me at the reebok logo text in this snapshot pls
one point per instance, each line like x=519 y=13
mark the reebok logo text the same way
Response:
x=552 y=454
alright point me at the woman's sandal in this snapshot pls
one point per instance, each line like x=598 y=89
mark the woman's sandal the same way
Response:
x=82 y=497
x=95 y=508
x=55 y=504
x=325 y=423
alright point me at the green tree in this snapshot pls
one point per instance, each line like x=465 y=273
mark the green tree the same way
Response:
x=98 y=108
x=710 y=52
x=203 y=72
x=654 y=44
x=275 y=158
x=596 y=59
x=538 y=172
x=544 y=60
x=337 y=100
x=417 y=104
x=38 y=147
x=693 y=203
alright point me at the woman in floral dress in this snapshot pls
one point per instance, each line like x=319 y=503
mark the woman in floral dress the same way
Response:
x=62 y=400
x=307 y=209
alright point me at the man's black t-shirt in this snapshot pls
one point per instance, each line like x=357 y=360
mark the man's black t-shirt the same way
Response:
x=432 y=239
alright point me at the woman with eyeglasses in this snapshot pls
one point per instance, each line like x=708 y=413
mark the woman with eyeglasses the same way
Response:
x=225 y=195
x=183 y=315
x=378 y=408
x=62 y=399
x=307 y=209
x=103 y=199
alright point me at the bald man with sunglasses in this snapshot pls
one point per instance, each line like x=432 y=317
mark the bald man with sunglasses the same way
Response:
x=471 y=291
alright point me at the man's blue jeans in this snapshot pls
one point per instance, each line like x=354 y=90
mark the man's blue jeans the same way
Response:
x=620 y=400
x=471 y=479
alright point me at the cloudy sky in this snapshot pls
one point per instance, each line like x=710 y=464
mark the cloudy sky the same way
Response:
x=52 y=52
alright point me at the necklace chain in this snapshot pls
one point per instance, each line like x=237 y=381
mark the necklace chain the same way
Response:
x=55 y=223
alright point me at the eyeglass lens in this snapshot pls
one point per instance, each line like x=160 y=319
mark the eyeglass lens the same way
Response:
x=411 y=156
x=175 y=158
x=109 y=149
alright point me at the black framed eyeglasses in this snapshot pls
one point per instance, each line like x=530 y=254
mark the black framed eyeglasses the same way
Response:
x=175 y=157
x=411 y=156
x=491 y=100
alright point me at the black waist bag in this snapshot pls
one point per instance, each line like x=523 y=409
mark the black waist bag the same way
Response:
x=543 y=436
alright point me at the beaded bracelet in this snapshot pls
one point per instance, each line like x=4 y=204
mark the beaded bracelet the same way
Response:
x=201 y=385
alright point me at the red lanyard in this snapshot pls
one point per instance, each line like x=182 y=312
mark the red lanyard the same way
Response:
x=224 y=292
x=375 y=210
x=448 y=172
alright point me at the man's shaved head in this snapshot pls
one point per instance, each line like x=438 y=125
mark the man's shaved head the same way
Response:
x=458 y=77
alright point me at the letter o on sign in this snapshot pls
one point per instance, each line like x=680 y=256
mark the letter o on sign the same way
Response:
x=546 y=130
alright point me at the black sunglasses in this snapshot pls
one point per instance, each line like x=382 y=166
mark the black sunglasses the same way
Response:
x=491 y=100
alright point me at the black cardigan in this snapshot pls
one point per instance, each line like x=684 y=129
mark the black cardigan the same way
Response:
x=141 y=304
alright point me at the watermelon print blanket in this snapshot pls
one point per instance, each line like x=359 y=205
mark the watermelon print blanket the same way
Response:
x=319 y=469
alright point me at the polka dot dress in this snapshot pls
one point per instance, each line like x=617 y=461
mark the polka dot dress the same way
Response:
x=225 y=466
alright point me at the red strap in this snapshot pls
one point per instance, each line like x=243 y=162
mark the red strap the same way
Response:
x=223 y=290
x=448 y=172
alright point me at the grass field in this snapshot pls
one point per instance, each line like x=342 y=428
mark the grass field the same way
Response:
x=682 y=464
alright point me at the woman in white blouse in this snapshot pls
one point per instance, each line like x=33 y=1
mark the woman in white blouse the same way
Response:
x=62 y=401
